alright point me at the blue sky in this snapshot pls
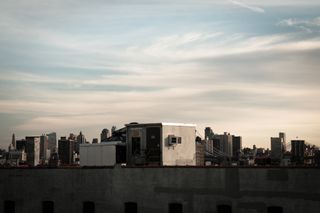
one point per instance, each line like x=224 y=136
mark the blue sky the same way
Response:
x=246 y=67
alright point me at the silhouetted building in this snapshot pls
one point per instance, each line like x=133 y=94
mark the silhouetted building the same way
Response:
x=80 y=140
x=236 y=146
x=297 y=151
x=226 y=144
x=65 y=150
x=208 y=133
x=21 y=144
x=52 y=142
x=282 y=137
x=33 y=150
x=105 y=134
x=72 y=137
x=43 y=148
x=118 y=135
x=276 y=149
x=13 y=141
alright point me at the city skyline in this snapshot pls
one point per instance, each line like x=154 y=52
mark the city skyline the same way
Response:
x=245 y=67
x=200 y=134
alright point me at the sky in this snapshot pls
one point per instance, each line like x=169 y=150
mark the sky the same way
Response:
x=247 y=67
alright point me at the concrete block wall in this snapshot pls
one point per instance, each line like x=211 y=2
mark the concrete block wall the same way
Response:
x=198 y=189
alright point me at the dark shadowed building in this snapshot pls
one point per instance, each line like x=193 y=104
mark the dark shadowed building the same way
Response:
x=297 y=151
x=65 y=150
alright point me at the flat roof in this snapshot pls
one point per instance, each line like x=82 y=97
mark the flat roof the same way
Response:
x=161 y=124
x=109 y=143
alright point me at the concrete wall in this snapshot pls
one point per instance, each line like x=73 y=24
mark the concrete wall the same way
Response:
x=102 y=154
x=199 y=190
x=179 y=154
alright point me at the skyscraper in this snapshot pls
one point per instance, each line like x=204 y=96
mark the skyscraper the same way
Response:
x=226 y=144
x=52 y=142
x=282 y=137
x=208 y=133
x=80 y=140
x=276 y=149
x=297 y=151
x=33 y=150
x=65 y=150
x=21 y=145
x=43 y=147
x=13 y=142
x=105 y=134
x=236 y=146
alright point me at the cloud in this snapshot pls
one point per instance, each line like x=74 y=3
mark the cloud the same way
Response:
x=308 y=25
x=247 y=6
x=99 y=64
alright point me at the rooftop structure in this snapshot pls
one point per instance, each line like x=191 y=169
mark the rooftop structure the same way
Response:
x=161 y=144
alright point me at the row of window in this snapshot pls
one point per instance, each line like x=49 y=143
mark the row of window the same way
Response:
x=129 y=207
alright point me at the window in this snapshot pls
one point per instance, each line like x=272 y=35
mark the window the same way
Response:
x=175 y=208
x=47 y=207
x=135 y=145
x=224 y=209
x=275 y=209
x=9 y=206
x=130 y=207
x=88 y=207
x=173 y=140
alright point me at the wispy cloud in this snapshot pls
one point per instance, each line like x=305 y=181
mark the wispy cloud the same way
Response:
x=248 y=6
x=308 y=25
x=77 y=66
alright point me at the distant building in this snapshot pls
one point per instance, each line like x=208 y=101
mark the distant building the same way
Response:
x=105 y=134
x=13 y=141
x=200 y=153
x=72 y=137
x=276 y=149
x=297 y=151
x=44 y=144
x=81 y=139
x=236 y=146
x=117 y=135
x=65 y=150
x=52 y=142
x=282 y=137
x=161 y=144
x=21 y=144
x=33 y=150
x=226 y=144
x=208 y=133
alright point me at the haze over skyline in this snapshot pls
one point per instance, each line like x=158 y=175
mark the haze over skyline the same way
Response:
x=247 y=67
